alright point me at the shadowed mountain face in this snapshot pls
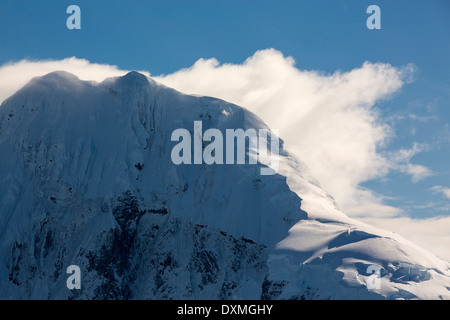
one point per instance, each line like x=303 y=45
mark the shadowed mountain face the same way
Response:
x=88 y=180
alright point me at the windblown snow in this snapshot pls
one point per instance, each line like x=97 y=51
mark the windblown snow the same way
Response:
x=87 y=180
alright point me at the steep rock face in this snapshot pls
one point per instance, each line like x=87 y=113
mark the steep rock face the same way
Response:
x=88 y=180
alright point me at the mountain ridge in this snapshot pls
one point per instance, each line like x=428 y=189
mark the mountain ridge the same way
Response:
x=89 y=181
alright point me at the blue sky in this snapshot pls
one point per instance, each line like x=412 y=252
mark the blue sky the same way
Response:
x=325 y=35
x=164 y=36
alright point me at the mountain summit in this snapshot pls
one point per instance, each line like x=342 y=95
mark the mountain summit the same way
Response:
x=88 y=180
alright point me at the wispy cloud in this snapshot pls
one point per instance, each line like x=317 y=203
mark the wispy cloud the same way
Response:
x=441 y=189
x=423 y=119
x=328 y=120
x=401 y=160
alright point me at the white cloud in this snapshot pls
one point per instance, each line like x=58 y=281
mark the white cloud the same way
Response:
x=417 y=171
x=400 y=160
x=441 y=189
x=327 y=120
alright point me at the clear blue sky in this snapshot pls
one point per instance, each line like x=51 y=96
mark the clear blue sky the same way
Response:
x=166 y=35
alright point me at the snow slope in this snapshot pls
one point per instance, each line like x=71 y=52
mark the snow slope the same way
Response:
x=87 y=180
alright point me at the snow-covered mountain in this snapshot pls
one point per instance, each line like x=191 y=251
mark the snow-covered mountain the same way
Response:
x=87 y=179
